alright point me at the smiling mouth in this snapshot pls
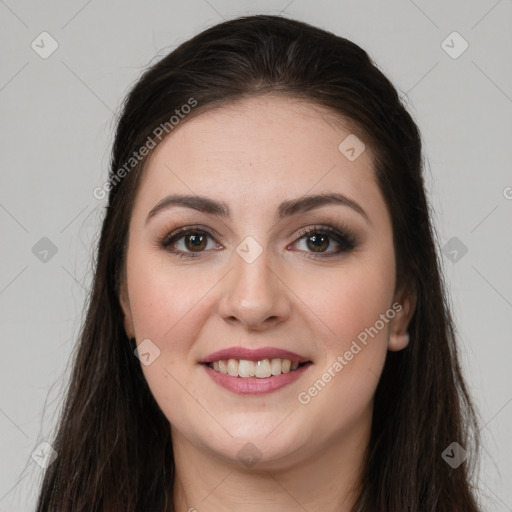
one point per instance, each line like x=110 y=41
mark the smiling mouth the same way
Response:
x=261 y=369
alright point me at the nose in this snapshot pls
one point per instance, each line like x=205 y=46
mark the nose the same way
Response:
x=255 y=296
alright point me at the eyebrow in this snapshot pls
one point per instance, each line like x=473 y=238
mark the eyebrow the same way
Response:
x=286 y=208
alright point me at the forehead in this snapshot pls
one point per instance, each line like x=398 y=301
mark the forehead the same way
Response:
x=249 y=126
x=261 y=149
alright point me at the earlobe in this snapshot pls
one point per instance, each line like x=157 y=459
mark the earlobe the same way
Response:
x=398 y=341
x=399 y=333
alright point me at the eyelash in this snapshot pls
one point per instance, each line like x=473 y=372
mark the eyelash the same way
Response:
x=346 y=240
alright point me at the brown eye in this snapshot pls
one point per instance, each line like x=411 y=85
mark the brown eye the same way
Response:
x=319 y=240
x=195 y=242
x=187 y=242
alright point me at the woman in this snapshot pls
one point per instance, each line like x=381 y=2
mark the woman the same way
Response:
x=267 y=325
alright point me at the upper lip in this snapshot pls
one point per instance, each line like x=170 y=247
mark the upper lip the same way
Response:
x=253 y=354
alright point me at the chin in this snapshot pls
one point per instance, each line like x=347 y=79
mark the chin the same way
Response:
x=261 y=448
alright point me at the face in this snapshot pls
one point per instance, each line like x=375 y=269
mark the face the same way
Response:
x=259 y=272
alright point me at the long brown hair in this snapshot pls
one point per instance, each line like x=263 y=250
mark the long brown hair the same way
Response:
x=113 y=441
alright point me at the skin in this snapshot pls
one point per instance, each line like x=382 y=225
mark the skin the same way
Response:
x=253 y=154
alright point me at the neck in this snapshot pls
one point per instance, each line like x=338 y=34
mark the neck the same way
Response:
x=327 y=479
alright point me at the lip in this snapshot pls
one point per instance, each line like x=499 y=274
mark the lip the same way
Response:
x=254 y=385
x=256 y=354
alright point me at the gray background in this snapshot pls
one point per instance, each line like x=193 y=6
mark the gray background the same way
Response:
x=58 y=116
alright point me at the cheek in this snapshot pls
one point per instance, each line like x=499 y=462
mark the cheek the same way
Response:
x=352 y=299
x=355 y=306
x=170 y=305
x=165 y=312
x=163 y=306
x=164 y=298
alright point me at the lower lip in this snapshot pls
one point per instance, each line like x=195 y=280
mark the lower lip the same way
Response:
x=254 y=385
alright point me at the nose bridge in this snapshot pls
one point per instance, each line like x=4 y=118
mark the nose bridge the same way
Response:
x=254 y=294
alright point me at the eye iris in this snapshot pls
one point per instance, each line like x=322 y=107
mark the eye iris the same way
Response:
x=198 y=242
x=320 y=242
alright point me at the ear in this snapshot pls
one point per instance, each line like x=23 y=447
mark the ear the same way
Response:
x=404 y=305
x=125 y=306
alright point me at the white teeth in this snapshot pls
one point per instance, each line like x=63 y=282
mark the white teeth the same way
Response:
x=262 y=369
x=285 y=365
x=223 y=367
x=245 y=368
x=233 y=367
x=275 y=366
